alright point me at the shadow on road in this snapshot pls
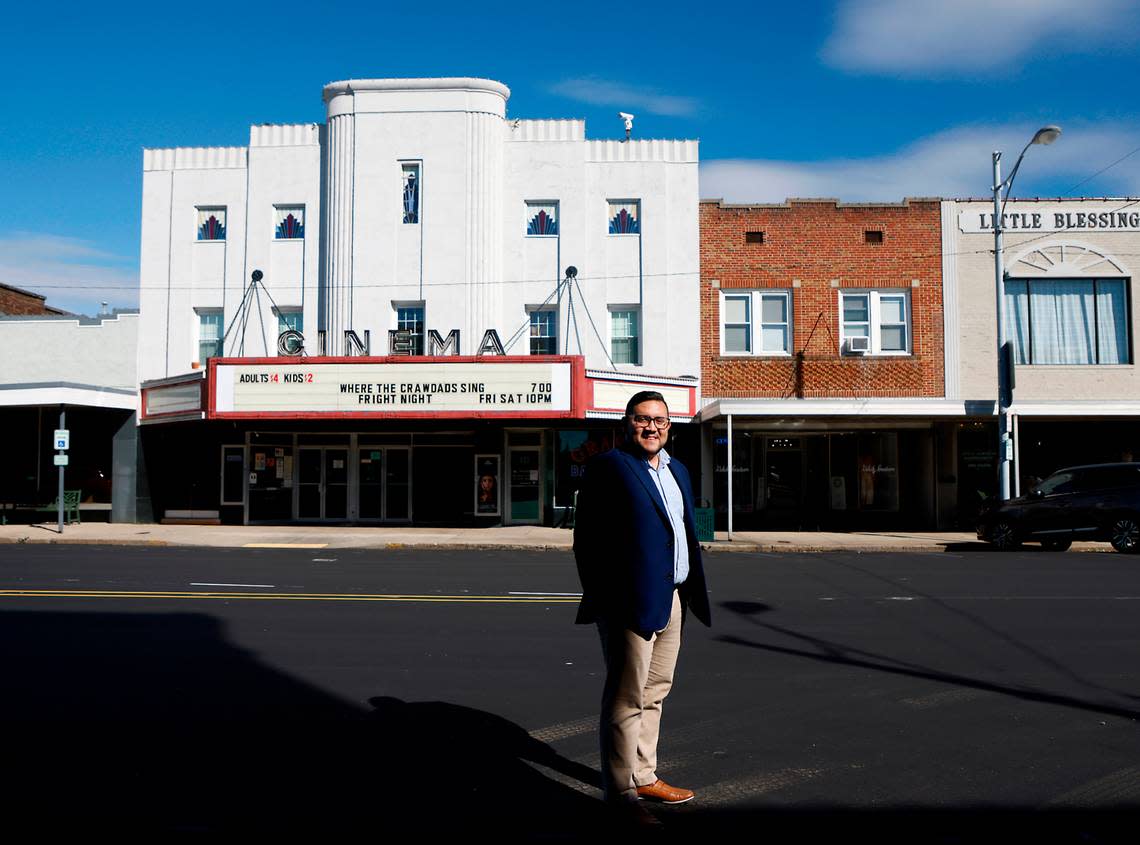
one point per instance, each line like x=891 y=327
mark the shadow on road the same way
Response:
x=828 y=651
x=154 y=722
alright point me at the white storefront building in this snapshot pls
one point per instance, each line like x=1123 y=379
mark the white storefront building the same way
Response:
x=1071 y=315
x=419 y=311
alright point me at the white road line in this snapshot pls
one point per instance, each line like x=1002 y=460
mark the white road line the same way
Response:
x=324 y=560
x=206 y=584
x=285 y=546
x=521 y=593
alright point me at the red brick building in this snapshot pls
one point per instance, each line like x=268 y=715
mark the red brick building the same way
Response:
x=822 y=352
x=19 y=302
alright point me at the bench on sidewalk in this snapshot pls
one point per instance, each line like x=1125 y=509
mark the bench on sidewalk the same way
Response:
x=70 y=506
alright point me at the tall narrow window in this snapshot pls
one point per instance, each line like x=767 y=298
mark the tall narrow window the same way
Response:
x=542 y=218
x=411 y=193
x=543 y=333
x=857 y=315
x=775 y=321
x=289 y=222
x=410 y=319
x=210 y=335
x=624 y=336
x=737 y=335
x=211 y=224
x=892 y=322
x=625 y=217
x=289 y=319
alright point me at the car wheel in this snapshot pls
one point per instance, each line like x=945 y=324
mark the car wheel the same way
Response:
x=1003 y=536
x=1125 y=536
x=1056 y=545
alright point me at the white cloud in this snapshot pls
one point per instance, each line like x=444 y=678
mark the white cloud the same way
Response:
x=918 y=37
x=955 y=163
x=600 y=92
x=72 y=273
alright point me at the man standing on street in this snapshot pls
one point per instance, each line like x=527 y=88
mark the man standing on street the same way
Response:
x=640 y=566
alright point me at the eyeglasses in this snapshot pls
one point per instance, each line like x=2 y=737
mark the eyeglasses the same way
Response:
x=642 y=420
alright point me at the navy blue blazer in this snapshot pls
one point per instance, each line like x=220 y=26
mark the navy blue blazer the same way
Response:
x=623 y=545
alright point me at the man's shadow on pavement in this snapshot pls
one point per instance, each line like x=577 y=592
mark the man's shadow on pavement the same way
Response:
x=157 y=723
x=476 y=761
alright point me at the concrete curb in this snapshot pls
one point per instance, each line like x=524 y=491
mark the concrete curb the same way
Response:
x=512 y=538
x=717 y=547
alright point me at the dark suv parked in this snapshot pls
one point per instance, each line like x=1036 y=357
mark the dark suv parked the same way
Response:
x=1096 y=502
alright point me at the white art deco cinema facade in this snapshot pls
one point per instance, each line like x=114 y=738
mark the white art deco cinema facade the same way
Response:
x=421 y=311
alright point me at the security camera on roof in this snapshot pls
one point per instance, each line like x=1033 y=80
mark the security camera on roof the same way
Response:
x=628 y=118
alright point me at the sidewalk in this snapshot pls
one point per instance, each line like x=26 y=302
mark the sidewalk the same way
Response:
x=514 y=537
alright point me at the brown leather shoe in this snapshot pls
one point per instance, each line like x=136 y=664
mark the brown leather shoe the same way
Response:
x=664 y=793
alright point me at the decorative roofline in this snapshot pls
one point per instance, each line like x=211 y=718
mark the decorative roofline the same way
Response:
x=448 y=83
x=792 y=202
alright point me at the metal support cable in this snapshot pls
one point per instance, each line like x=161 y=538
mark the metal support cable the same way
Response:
x=594 y=326
x=513 y=339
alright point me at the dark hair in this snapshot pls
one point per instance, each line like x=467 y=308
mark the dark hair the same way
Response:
x=644 y=396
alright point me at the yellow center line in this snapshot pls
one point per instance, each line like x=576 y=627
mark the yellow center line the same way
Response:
x=180 y=594
x=285 y=545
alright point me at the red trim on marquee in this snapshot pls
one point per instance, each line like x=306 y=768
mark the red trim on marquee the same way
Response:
x=642 y=384
x=578 y=389
x=201 y=409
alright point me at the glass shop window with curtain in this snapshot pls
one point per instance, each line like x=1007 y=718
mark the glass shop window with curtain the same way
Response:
x=1068 y=321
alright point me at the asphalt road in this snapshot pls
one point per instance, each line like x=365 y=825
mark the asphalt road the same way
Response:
x=911 y=698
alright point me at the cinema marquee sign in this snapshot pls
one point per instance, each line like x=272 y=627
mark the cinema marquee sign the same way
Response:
x=467 y=387
x=1118 y=217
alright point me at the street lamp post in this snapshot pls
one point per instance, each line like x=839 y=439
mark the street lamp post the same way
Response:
x=1044 y=135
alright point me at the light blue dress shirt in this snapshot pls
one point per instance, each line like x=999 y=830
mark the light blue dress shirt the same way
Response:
x=675 y=508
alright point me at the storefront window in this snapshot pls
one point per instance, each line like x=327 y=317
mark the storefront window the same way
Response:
x=270 y=483
x=575 y=448
x=864 y=472
x=878 y=467
x=977 y=469
x=743 y=494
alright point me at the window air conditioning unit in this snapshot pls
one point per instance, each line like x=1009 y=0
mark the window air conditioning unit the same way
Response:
x=858 y=345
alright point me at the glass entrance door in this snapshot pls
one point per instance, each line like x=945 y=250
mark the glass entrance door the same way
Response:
x=336 y=484
x=384 y=483
x=370 y=472
x=397 y=484
x=783 y=482
x=322 y=482
x=525 y=484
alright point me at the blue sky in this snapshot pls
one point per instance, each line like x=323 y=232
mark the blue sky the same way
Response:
x=856 y=99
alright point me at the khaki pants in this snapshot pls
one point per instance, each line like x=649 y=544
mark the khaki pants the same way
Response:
x=639 y=674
